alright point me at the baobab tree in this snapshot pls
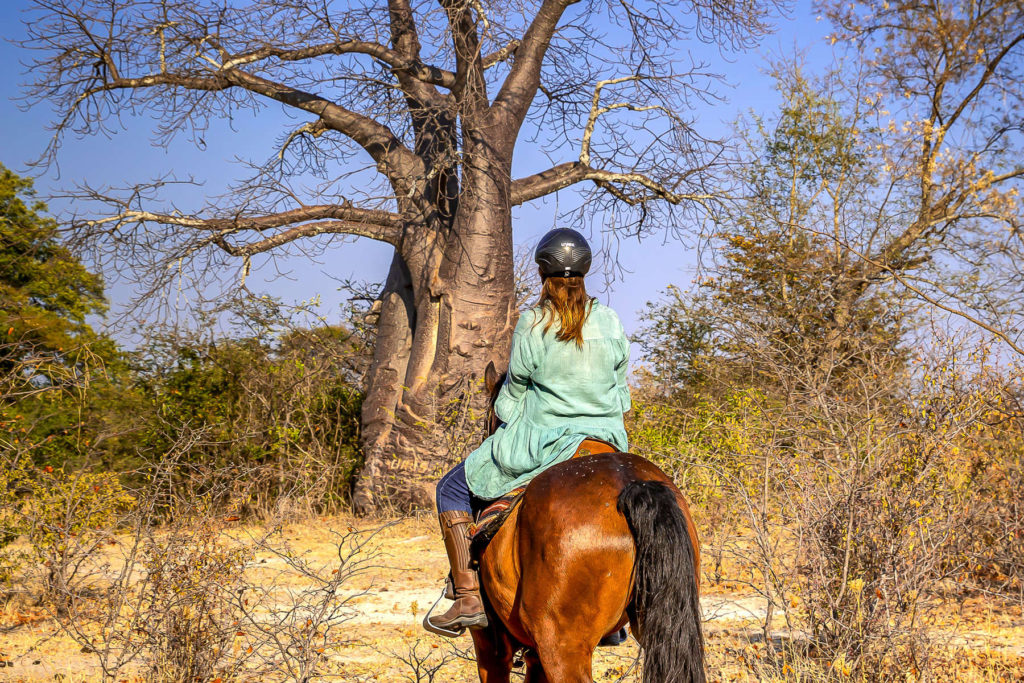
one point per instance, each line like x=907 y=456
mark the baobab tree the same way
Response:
x=431 y=101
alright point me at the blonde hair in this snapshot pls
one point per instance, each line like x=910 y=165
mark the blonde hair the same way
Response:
x=565 y=299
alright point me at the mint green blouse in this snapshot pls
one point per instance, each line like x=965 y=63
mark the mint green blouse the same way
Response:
x=555 y=395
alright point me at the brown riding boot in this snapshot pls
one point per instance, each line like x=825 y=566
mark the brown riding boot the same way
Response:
x=468 y=610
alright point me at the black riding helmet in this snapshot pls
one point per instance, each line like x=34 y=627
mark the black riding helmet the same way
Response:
x=563 y=253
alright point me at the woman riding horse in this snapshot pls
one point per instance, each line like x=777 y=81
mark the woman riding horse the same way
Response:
x=566 y=381
x=594 y=542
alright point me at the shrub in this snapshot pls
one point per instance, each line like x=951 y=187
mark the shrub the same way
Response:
x=65 y=519
x=278 y=412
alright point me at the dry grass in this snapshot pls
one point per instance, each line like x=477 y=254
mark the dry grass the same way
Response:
x=979 y=641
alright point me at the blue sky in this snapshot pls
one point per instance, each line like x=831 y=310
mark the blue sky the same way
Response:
x=130 y=155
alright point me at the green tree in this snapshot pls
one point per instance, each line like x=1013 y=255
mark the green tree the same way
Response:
x=45 y=292
x=55 y=396
x=58 y=392
x=675 y=341
x=266 y=412
x=790 y=284
x=776 y=304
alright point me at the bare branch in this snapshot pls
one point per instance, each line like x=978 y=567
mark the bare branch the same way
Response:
x=899 y=276
x=304 y=222
x=520 y=86
x=295 y=232
x=546 y=182
x=596 y=110
x=990 y=69
x=392 y=157
x=314 y=129
x=567 y=174
x=614 y=182
x=504 y=54
x=428 y=74
x=382 y=221
x=470 y=88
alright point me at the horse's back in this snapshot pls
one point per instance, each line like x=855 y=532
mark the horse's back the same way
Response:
x=594 y=475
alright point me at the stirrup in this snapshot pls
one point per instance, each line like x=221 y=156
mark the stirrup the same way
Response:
x=438 y=630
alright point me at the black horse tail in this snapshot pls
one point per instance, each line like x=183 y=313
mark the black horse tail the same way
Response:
x=665 y=599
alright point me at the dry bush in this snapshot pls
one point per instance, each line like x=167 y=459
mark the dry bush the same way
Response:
x=151 y=601
x=429 y=663
x=856 y=511
x=293 y=631
x=62 y=520
x=174 y=589
x=50 y=489
x=853 y=483
x=990 y=464
x=186 y=615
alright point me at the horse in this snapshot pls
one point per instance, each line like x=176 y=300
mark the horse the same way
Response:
x=595 y=542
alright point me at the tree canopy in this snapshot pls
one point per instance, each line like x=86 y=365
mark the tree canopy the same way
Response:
x=46 y=294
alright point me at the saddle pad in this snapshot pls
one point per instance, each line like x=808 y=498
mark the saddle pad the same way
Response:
x=495 y=510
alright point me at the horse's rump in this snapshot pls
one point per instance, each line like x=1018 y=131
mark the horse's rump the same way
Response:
x=566 y=526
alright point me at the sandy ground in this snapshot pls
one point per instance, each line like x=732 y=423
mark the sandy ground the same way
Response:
x=384 y=641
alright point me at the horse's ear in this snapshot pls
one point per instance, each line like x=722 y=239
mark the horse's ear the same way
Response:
x=491 y=377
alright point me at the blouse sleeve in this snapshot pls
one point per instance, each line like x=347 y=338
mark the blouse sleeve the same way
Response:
x=621 y=372
x=525 y=358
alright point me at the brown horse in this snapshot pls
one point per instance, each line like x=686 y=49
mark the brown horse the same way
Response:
x=595 y=542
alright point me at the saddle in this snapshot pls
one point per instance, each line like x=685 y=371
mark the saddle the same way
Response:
x=490 y=519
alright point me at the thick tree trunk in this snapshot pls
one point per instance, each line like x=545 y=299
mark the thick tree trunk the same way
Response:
x=424 y=410
x=384 y=381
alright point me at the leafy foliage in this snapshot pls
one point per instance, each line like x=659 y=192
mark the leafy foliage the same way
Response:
x=49 y=354
x=280 y=405
x=675 y=338
x=45 y=292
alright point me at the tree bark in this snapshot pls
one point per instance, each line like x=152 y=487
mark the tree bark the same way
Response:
x=424 y=412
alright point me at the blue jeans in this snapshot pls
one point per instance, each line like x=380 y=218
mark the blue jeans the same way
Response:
x=453 y=493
